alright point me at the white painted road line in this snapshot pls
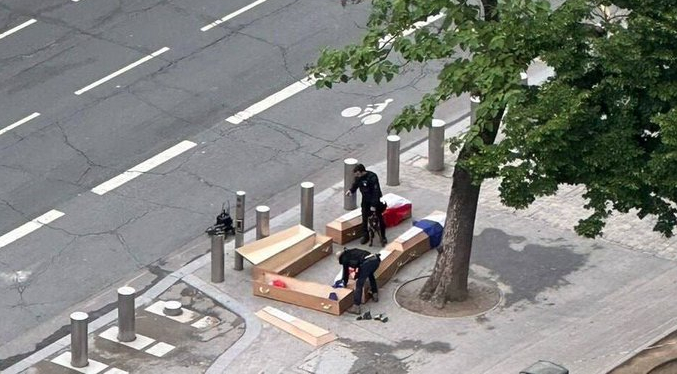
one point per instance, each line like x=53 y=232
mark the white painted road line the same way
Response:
x=420 y=24
x=143 y=167
x=271 y=100
x=19 y=123
x=29 y=227
x=232 y=15
x=17 y=28
x=123 y=70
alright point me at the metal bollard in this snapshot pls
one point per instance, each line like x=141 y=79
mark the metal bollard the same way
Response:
x=218 y=259
x=126 y=316
x=262 y=222
x=524 y=79
x=436 y=146
x=393 y=161
x=239 y=229
x=474 y=103
x=349 y=202
x=79 y=352
x=307 y=192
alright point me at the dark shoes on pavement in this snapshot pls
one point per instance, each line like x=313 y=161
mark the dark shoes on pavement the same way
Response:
x=364 y=240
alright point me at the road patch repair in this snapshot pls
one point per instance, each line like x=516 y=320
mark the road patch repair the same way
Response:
x=187 y=343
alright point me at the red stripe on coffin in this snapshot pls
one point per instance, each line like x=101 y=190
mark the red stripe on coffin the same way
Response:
x=397 y=211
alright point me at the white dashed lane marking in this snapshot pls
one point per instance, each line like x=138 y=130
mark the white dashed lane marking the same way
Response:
x=19 y=123
x=29 y=227
x=17 y=28
x=232 y=15
x=121 y=71
x=272 y=100
x=143 y=167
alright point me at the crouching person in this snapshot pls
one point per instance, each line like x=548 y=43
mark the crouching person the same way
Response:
x=365 y=264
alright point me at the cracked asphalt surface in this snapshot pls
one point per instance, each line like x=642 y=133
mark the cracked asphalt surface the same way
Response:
x=78 y=142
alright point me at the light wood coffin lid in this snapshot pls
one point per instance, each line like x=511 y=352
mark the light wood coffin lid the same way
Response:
x=290 y=264
x=301 y=329
x=346 y=221
x=263 y=249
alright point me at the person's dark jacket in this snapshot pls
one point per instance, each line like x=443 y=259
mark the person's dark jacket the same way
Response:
x=353 y=258
x=370 y=189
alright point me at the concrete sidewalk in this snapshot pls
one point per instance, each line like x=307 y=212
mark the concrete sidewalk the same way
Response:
x=585 y=304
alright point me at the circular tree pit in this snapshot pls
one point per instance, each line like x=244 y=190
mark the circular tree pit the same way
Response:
x=482 y=296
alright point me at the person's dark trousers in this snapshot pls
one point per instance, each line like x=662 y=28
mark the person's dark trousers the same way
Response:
x=365 y=221
x=367 y=270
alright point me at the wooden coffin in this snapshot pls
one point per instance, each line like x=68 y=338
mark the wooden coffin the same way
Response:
x=294 y=241
x=292 y=262
x=306 y=294
x=346 y=228
x=415 y=242
x=391 y=262
x=301 y=329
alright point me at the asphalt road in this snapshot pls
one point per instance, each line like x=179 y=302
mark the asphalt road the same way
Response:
x=91 y=88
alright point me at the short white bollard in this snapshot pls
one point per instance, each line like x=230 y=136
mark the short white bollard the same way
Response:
x=172 y=308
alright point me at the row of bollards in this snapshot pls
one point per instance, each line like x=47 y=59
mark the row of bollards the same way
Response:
x=126 y=295
x=80 y=327
x=436 y=139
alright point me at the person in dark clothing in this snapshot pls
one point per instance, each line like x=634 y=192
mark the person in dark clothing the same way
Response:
x=367 y=182
x=365 y=264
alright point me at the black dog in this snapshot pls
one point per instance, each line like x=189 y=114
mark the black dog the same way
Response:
x=374 y=227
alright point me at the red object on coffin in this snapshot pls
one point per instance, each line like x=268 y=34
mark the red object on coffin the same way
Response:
x=398 y=209
x=279 y=284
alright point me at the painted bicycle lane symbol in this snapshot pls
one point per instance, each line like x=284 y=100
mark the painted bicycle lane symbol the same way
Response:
x=368 y=115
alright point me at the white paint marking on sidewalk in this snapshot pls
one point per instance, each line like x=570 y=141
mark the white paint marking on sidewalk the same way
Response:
x=19 y=122
x=143 y=167
x=29 y=227
x=123 y=70
x=17 y=28
x=186 y=315
x=232 y=15
x=139 y=343
x=389 y=39
x=271 y=100
x=160 y=349
x=93 y=367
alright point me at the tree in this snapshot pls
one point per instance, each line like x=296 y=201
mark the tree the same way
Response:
x=606 y=120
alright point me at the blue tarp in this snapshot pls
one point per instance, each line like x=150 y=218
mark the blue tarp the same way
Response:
x=433 y=229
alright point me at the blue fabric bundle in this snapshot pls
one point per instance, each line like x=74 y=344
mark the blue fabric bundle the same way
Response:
x=433 y=229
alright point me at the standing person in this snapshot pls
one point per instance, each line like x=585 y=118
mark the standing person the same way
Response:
x=365 y=264
x=367 y=182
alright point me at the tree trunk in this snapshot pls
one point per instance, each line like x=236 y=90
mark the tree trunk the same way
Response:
x=449 y=279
